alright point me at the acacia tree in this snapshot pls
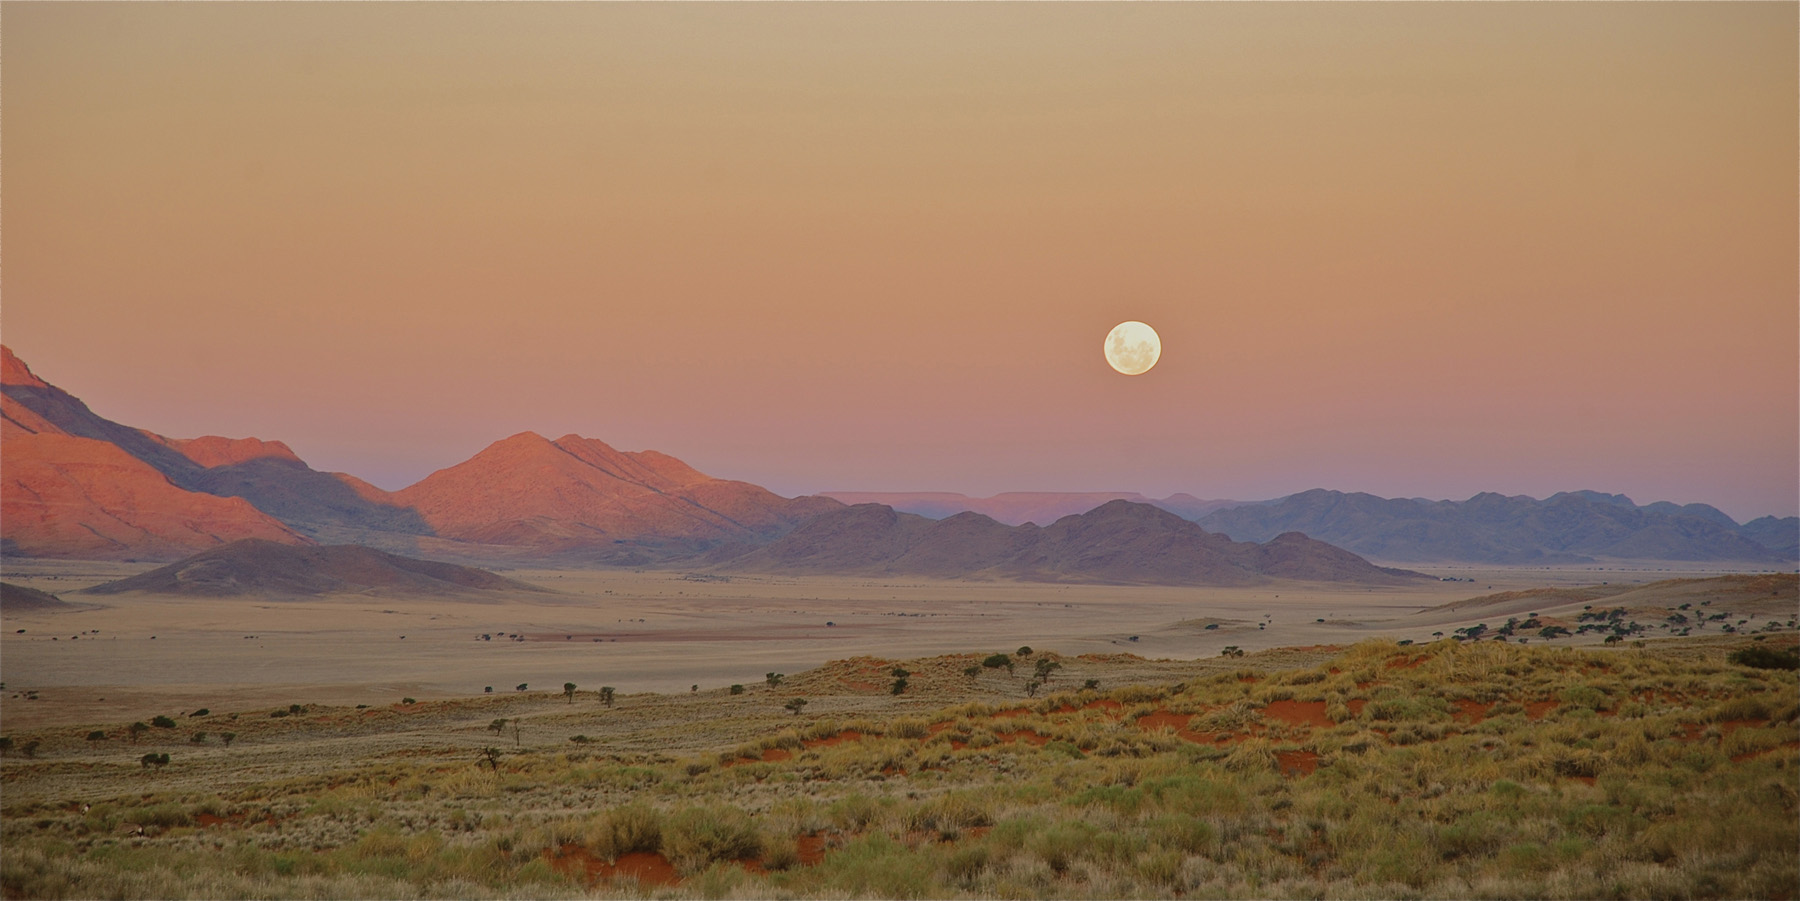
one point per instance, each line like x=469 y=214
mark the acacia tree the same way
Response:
x=606 y=695
x=569 y=691
x=796 y=705
x=498 y=726
x=136 y=729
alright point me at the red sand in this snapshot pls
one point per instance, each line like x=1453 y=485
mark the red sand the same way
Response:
x=1473 y=711
x=1356 y=706
x=1009 y=714
x=1161 y=718
x=1297 y=763
x=1536 y=709
x=838 y=739
x=1299 y=713
x=647 y=868
x=812 y=849
x=1025 y=735
x=1404 y=663
x=1106 y=704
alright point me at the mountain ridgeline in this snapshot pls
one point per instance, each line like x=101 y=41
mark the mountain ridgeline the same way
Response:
x=1119 y=542
x=78 y=485
x=1571 y=527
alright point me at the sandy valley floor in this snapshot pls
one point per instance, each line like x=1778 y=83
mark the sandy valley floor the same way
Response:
x=648 y=631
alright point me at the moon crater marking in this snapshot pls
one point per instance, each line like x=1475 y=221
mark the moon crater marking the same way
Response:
x=1133 y=347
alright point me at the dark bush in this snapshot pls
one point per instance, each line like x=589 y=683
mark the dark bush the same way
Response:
x=162 y=722
x=1765 y=657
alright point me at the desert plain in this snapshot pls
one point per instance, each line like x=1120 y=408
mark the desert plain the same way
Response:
x=668 y=631
x=777 y=736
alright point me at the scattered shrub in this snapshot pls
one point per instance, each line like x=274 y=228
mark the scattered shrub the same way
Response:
x=1765 y=657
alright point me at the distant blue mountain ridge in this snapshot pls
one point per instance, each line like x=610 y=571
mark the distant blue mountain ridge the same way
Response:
x=1568 y=527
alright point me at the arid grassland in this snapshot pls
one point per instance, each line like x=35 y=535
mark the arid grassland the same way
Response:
x=1442 y=770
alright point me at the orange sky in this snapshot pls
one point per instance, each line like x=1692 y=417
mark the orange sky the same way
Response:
x=1412 y=249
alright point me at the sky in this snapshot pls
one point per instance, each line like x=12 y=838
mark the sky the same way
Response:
x=1410 y=249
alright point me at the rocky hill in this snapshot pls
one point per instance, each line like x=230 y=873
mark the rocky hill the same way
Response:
x=267 y=568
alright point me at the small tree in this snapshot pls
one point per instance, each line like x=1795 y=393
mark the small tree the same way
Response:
x=1044 y=667
x=154 y=760
x=569 y=691
x=199 y=738
x=1025 y=651
x=737 y=689
x=606 y=695
x=1091 y=684
x=773 y=679
x=498 y=726
x=899 y=685
x=407 y=702
x=136 y=729
x=518 y=742
x=490 y=757
x=972 y=671
x=796 y=705
x=521 y=687
x=162 y=722
x=1232 y=650
x=995 y=661
x=97 y=735
x=1032 y=687
x=227 y=738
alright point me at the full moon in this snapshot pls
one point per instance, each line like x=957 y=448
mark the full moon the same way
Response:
x=1133 y=347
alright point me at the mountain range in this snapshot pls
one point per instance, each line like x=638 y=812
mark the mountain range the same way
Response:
x=75 y=484
x=1016 y=508
x=1570 y=527
x=1117 y=542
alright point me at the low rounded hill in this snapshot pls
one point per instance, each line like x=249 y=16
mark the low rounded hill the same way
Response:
x=257 y=567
